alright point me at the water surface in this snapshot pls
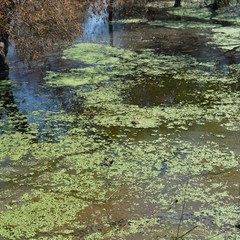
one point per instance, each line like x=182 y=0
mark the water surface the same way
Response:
x=134 y=134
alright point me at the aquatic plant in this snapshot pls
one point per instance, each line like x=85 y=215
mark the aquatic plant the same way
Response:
x=227 y=38
x=64 y=189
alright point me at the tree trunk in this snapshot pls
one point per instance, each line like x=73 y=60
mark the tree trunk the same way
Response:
x=110 y=10
x=214 y=6
x=3 y=51
x=177 y=3
x=218 y=4
x=6 y=9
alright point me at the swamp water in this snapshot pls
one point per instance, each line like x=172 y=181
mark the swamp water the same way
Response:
x=131 y=135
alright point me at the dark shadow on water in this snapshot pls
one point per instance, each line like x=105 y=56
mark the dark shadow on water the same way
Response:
x=172 y=41
x=9 y=106
x=163 y=91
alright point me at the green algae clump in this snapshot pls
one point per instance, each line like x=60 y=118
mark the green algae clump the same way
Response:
x=119 y=168
x=96 y=54
x=227 y=38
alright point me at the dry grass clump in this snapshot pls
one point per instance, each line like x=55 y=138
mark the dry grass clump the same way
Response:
x=37 y=26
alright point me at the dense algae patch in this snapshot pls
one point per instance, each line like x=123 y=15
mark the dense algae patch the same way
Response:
x=41 y=212
x=130 y=69
x=180 y=24
x=149 y=180
x=151 y=170
x=227 y=38
x=221 y=107
x=224 y=22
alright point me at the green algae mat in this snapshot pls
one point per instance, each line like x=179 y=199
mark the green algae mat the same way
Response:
x=67 y=186
x=126 y=167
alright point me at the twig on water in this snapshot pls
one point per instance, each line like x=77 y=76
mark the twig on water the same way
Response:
x=183 y=209
x=186 y=233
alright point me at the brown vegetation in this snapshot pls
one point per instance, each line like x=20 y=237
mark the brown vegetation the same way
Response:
x=37 y=26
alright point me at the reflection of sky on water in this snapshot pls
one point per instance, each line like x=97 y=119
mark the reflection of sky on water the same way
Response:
x=28 y=88
x=33 y=100
x=96 y=29
x=28 y=91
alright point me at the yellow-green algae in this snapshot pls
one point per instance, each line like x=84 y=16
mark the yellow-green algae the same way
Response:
x=61 y=177
x=108 y=62
x=200 y=13
x=130 y=21
x=189 y=9
x=221 y=105
x=79 y=180
x=229 y=10
x=227 y=38
x=180 y=24
x=184 y=3
x=42 y=212
x=97 y=54
x=224 y=37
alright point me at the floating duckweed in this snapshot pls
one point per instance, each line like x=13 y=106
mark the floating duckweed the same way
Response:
x=80 y=179
x=9 y=144
x=97 y=54
x=41 y=213
x=130 y=20
x=114 y=63
x=202 y=159
x=164 y=4
x=198 y=13
x=180 y=24
x=78 y=77
x=71 y=167
x=227 y=38
x=230 y=14
x=144 y=64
